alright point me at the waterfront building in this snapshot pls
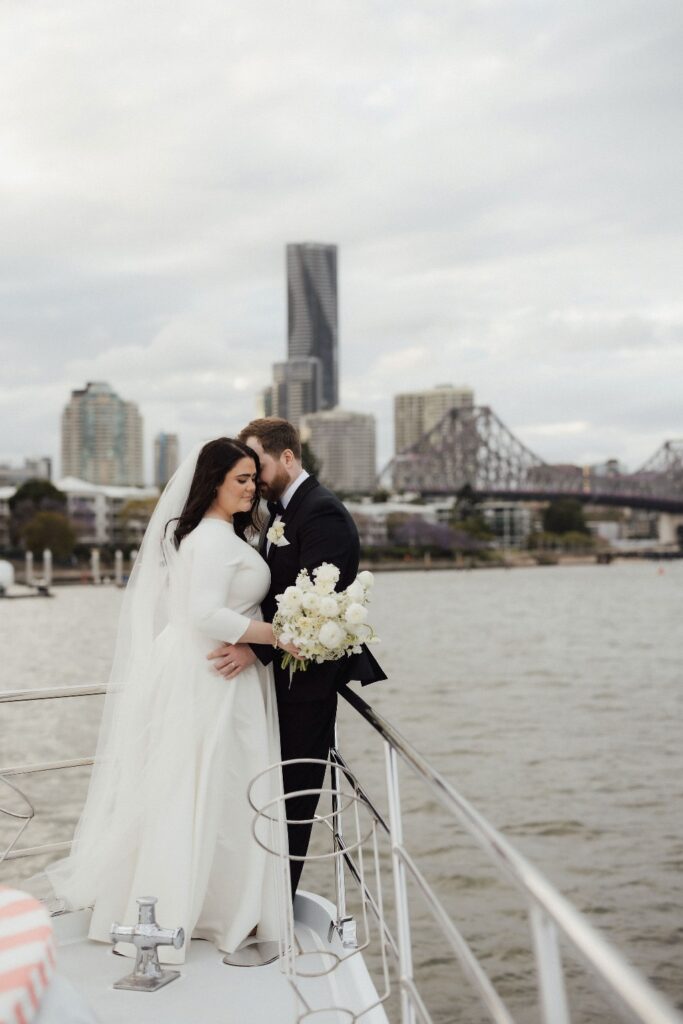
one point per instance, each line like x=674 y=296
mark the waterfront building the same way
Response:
x=100 y=514
x=39 y=468
x=104 y=514
x=102 y=437
x=510 y=522
x=416 y=412
x=312 y=330
x=297 y=388
x=165 y=458
x=344 y=443
x=373 y=519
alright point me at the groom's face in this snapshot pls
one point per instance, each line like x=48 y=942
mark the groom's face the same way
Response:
x=273 y=478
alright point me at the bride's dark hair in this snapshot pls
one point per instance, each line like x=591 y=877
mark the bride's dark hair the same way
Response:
x=214 y=461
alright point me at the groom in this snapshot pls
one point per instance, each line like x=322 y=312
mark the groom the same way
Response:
x=317 y=528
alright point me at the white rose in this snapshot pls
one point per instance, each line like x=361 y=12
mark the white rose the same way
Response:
x=327 y=572
x=331 y=635
x=310 y=602
x=355 y=614
x=328 y=607
x=367 y=579
x=356 y=591
x=324 y=586
x=292 y=597
x=303 y=581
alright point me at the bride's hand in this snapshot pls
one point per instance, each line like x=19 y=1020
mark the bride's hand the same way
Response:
x=290 y=648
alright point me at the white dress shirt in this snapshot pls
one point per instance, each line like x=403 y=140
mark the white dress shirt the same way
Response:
x=287 y=497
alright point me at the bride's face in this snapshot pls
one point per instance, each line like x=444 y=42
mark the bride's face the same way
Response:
x=237 y=491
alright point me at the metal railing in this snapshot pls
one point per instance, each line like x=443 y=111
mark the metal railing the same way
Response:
x=551 y=916
x=8 y=771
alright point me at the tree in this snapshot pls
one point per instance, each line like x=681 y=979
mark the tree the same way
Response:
x=467 y=516
x=466 y=503
x=309 y=460
x=133 y=517
x=565 y=515
x=49 y=530
x=31 y=498
x=421 y=533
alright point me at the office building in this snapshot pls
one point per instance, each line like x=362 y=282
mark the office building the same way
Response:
x=264 y=402
x=165 y=458
x=344 y=445
x=312 y=329
x=416 y=412
x=296 y=389
x=102 y=437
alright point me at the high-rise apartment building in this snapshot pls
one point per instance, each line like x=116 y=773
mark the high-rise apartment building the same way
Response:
x=165 y=458
x=344 y=444
x=102 y=437
x=312 y=312
x=416 y=412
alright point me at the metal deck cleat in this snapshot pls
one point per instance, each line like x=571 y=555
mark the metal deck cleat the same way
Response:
x=146 y=936
x=346 y=929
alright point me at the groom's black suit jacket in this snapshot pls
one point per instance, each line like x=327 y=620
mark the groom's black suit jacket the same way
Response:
x=319 y=529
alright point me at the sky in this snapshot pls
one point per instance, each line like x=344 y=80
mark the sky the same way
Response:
x=502 y=177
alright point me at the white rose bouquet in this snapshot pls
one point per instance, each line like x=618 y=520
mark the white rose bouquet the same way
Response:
x=325 y=625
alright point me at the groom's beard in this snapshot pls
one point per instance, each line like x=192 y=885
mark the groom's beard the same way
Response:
x=277 y=486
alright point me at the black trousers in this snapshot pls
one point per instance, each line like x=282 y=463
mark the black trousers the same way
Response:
x=306 y=730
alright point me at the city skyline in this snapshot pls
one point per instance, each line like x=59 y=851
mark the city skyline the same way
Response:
x=523 y=240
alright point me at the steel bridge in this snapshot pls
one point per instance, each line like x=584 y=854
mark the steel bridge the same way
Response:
x=473 y=447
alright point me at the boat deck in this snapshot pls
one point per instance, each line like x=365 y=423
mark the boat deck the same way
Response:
x=212 y=992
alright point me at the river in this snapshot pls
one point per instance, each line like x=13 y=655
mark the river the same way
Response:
x=550 y=697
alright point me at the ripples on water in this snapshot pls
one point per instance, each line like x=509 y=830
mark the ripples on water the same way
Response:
x=550 y=697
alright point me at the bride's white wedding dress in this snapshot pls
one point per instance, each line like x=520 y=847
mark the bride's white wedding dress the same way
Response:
x=171 y=818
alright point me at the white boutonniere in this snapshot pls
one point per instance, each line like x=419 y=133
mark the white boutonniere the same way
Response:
x=276 y=535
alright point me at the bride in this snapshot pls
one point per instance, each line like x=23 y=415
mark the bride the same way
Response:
x=167 y=811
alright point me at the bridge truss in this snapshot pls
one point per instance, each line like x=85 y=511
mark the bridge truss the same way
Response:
x=474 y=447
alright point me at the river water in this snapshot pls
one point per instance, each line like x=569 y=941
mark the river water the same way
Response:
x=550 y=697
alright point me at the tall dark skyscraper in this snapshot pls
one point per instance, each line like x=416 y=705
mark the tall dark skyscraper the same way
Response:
x=312 y=312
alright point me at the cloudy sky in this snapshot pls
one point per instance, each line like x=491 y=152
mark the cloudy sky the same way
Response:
x=503 y=179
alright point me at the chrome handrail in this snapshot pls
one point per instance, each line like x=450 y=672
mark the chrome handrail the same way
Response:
x=45 y=766
x=549 y=911
x=50 y=693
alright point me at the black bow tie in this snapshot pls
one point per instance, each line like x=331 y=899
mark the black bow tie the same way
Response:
x=276 y=508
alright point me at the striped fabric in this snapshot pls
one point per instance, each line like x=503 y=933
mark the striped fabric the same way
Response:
x=27 y=955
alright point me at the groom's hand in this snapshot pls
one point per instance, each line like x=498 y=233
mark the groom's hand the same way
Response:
x=230 y=659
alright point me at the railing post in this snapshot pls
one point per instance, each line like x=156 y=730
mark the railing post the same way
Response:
x=405 y=949
x=344 y=924
x=95 y=566
x=552 y=994
x=47 y=567
x=118 y=568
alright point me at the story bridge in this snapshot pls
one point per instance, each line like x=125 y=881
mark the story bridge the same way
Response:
x=473 y=447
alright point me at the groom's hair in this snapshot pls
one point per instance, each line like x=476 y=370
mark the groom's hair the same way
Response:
x=275 y=436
